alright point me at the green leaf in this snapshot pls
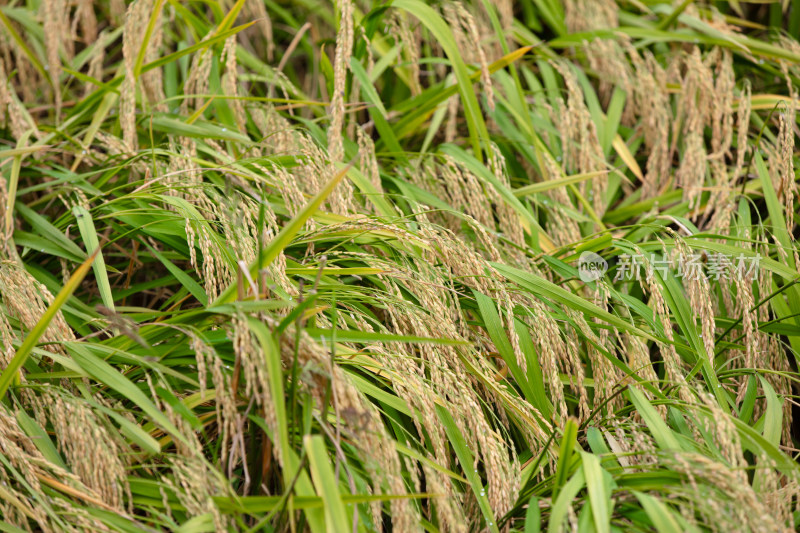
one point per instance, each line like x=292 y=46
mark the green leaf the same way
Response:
x=533 y=516
x=106 y=374
x=185 y=279
x=662 y=434
x=40 y=439
x=494 y=327
x=89 y=236
x=326 y=483
x=565 y=499
x=599 y=497
x=465 y=457
x=661 y=516
x=569 y=441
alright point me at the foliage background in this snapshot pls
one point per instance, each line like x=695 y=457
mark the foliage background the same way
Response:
x=288 y=266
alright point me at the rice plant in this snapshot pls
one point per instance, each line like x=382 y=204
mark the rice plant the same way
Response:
x=399 y=266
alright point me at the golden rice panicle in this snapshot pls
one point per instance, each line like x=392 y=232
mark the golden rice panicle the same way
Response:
x=18 y=117
x=722 y=200
x=505 y=8
x=7 y=248
x=461 y=188
x=344 y=50
x=501 y=467
x=87 y=20
x=637 y=351
x=197 y=80
x=672 y=361
x=478 y=201
x=693 y=114
x=398 y=28
x=572 y=366
x=341 y=201
x=238 y=219
x=183 y=177
x=357 y=419
x=256 y=10
x=451 y=126
x=607 y=57
x=699 y=291
x=745 y=302
x=292 y=194
x=55 y=15
x=777 y=491
x=508 y=318
x=152 y=80
x=606 y=376
x=651 y=102
x=250 y=358
x=275 y=273
x=27 y=300
x=21 y=501
x=721 y=122
x=552 y=349
x=7 y=349
x=229 y=82
x=136 y=17
x=95 y=69
x=560 y=225
x=282 y=135
x=212 y=264
x=726 y=436
x=20 y=451
x=448 y=506
x=89 y=448
x=769 y=353
x=310 y=176
x=580 y=144
x=788 y=188
x=509 y=222
x=585 y=15
x=641 y=444
x=227 y=413
x=408 y=380
x=722 y=113
x=29 y=83
x=448 y=377
x=692 y=170
x=367 y=160
x=743 y=125
x=718 y=494
x=471 y=36
x=116 y=10
x=16 y=505
x=195 y=483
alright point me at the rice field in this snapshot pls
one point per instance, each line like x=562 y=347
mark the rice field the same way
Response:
x=354 y=266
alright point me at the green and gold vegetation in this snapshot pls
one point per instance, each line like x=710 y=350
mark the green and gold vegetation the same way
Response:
x=295 y=266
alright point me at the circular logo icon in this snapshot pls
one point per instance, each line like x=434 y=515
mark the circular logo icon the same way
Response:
x=591 y=267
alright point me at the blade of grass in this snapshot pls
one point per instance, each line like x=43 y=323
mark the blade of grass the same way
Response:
x=90 y=240
x=326 y=483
